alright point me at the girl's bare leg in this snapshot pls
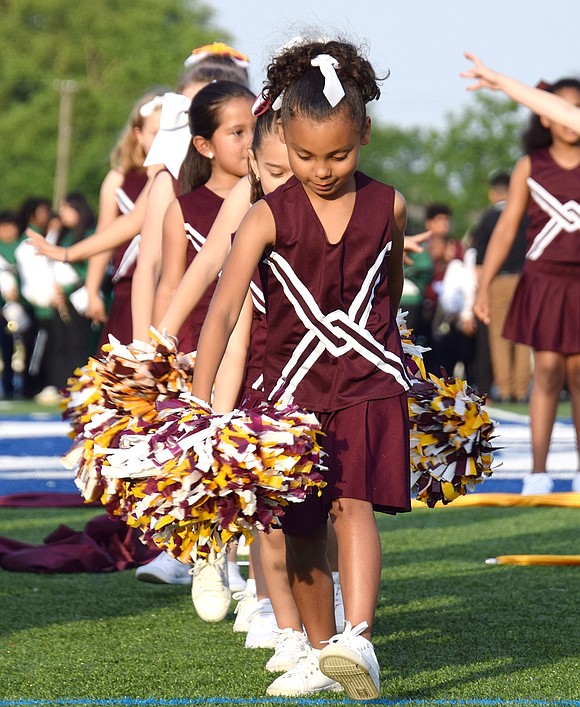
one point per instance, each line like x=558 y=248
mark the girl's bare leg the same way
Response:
x=273 y=561
x=549 y=377
x=311 y=583
x=359 y=562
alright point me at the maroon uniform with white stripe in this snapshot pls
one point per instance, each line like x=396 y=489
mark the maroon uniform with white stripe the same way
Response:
x=545 y=309
x=333 y=345
x=124 y=260
x=199 y=208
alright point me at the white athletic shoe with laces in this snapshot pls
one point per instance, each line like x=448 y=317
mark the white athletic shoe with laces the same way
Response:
x=350 y=660
x=305 y=678
x=210 y=591
x=261 y=626
x=247 y=603
x=535 y=484
x=289 y=647
x=164 y=569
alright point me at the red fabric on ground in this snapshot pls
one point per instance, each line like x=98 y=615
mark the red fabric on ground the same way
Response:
x=105 y=545
x=45 y=500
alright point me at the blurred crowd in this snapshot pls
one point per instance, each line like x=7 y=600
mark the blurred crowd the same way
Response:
x=439 y=293
x=45 y=334
x=43 y=331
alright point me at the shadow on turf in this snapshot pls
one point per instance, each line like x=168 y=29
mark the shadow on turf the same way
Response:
x=473 y=621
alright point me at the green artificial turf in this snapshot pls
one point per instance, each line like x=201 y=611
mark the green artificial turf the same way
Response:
x=448 y=626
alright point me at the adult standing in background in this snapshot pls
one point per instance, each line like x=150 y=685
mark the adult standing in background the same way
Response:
x=511 y=361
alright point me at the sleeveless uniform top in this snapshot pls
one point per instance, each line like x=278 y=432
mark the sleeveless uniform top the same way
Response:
x=253 y=388
x=553 y=211
x=199 y=209
x=125 y=255
x=332 y=336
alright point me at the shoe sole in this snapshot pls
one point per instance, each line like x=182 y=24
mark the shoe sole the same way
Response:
x=343 y=667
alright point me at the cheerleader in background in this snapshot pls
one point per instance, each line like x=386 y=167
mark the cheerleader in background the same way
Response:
x=119 y=191
x=221 y=125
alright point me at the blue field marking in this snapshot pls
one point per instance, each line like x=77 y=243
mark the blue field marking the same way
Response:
x=31 y=448
x=256 y=702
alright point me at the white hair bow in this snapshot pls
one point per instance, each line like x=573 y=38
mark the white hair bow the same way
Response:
x=147 y=108
x=333 y=89
x=172 y=141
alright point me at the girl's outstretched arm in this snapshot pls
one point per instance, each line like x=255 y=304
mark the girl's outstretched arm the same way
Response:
x=256 y=232
x=122 y=229
x=148 y=268
x=209 y=261
x=173 y=259
x=537 y=100
x=230 y=375
x=503 y=235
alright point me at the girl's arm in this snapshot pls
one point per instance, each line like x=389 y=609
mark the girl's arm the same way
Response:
x=173 y=259
x=537 y=100
x=395 y=259
x=257 y=231
x=209 y=261
x=122 y=229
x=503 y=235
x=108 y=212
x=230 y=375
x=148 y=268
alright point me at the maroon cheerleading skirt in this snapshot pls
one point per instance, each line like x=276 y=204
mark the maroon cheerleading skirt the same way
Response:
x=367 y=455
x=545 y=309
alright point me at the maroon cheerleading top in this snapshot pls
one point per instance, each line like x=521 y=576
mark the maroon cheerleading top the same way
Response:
x=199 y=209
x=332 y=336
x=126 y=196
x=553 y=211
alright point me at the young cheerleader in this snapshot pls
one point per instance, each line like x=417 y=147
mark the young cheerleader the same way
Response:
x=545 y=309
x=541 y=102
x=334 y=243
x=267 y=611
x=119 y=191
x=221 y=124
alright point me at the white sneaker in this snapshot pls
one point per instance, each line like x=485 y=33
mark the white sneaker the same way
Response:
x=164 y=569
x=289 y=647
x=236 y=581
x=535 y=484
x=49 y=396
x=338 y=603
x=350 y=659
x=304 y=678
x=210 y=591
x=261 y=626
x=247 y=603
x=576 y=482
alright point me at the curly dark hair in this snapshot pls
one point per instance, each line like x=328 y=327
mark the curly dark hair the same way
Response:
x=291 y=72
x=536 y=136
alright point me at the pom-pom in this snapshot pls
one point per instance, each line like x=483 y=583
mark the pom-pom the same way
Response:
x=195 y=479
x=450 y=429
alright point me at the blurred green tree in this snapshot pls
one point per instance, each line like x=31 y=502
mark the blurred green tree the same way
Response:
x=113 y=50
x=451 y=165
